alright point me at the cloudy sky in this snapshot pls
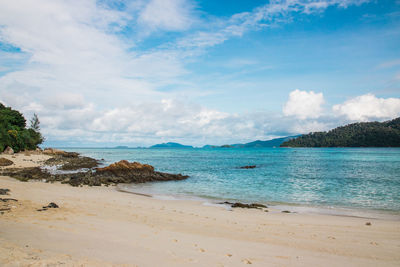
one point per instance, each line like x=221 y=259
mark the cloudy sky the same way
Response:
x=103 y=73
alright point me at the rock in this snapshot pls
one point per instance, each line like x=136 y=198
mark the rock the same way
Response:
x=5 y=162
x=8 y=151
x=8 y=199
x=124 y=165
x=243 y=205
x=285 y=211
x=26 y=174
x=69 y=163
x=248 y=167
x=54 y=151
x=119 y=172
x=134 y=172
x=368 y=223
x=51 y=205
x=4 y=191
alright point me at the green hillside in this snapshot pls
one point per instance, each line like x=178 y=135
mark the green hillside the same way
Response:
x=362 y=134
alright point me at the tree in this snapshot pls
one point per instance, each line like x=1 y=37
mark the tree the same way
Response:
x=13 y=131
x=35 y=123
x=361 y=134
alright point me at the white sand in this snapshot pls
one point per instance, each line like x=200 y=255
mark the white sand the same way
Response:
x=99 y=226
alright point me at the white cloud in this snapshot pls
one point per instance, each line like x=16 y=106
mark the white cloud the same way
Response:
x=115 y=89
x=303 y=105
x=271 y=14
x=72 y=46
x=172 y=15
x=305 y=127
x=389 y=64
x=369 y=107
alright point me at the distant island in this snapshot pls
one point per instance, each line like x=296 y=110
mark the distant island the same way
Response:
x=170 y=145
x=362 y=134
x=257 y=144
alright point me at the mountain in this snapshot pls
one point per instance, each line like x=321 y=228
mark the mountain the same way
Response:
x=170 y=145
x=362 y=134
x=269 y=143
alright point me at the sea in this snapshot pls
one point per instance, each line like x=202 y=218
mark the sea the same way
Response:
x=344 y=181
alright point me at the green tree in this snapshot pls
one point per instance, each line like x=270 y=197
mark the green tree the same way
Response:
x=13 y=131
x=35 y=123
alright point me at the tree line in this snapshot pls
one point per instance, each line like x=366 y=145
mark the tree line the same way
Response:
x=362 y=134
x=15 y=134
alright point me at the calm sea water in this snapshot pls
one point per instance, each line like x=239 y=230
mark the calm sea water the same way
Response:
x=357 y=178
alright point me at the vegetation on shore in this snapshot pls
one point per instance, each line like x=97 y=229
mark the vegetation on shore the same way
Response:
x=15 y=134
x=362 y=134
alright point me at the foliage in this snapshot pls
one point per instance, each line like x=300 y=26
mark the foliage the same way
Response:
x=362 y=134
x=13 y=131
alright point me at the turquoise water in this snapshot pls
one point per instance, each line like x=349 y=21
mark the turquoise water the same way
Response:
x=361 y=178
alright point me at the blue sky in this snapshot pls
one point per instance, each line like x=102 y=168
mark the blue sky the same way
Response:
x=102 y=73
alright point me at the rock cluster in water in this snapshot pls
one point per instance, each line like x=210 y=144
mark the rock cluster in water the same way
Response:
x=119 y=172
x=69 y=160
x=244 y=205
x=248 y=167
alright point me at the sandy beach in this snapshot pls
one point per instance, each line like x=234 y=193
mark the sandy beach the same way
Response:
x=100 y=226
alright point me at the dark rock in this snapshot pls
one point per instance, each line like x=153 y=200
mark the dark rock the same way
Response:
x=72 y=163
x=58 y=152
x=26 y=174
x=51 y=205
x=5 y=162
x=286 y=211
x=4 y=191
x=368 y=223
x=248 y=167
x=133 y=172
x=243 y=205
x=8 y=199
x=119 y=172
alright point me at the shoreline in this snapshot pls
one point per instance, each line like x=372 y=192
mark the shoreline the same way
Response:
x=278 y=206
x=99 y=226
x=367 y=201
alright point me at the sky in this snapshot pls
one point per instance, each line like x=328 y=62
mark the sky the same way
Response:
x=137 y=73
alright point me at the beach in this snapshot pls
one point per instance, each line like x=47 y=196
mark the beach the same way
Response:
x=100 y=226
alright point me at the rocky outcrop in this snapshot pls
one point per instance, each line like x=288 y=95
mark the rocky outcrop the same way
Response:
x=122 y=166
x=58 y=152
x=5 y=162
x=119 y=172
x=244 y=205
x=25 y=174
x=248 y=167
x=4 y=191
x=8 y=151
x=134 y=172
x=69 y=163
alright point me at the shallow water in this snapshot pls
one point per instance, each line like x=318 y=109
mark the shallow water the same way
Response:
x=356 y=178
